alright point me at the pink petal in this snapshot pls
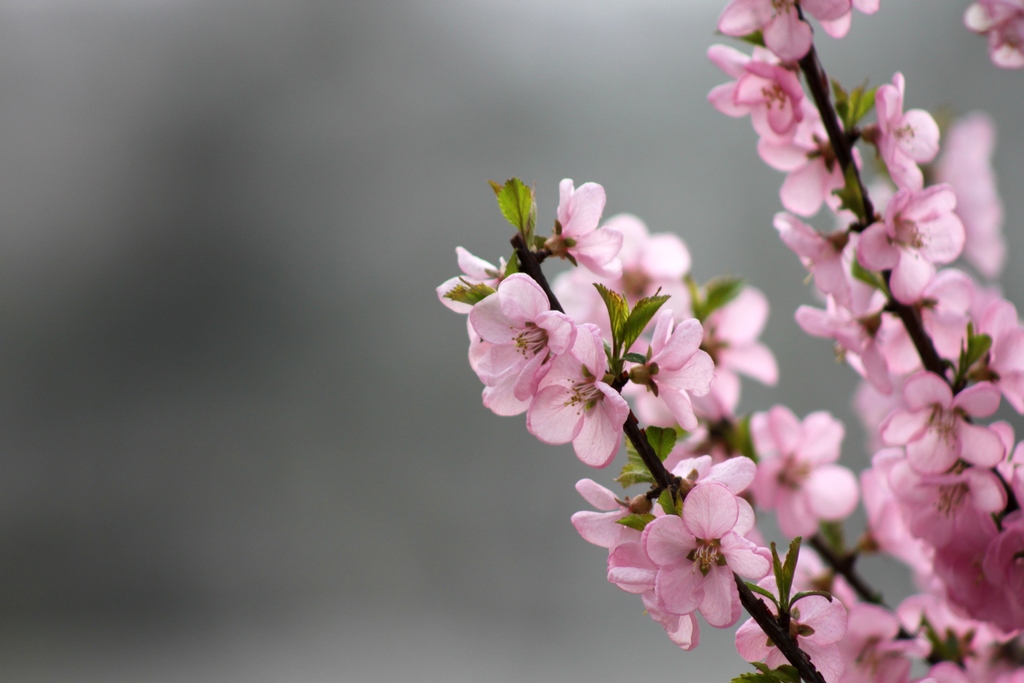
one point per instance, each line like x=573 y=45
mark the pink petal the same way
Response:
x=979 y=445
x=601 y=435
x=744 y=558
x=875 y=251
x=832 y=492
x=979 y=400
x=721 y=603
x=667 y=541
x=680 y=587
x=597 y=495
x=710 y=511
x=923 y=143
x=751 y=642
x=599 y=528
x=552 y=419
x=742 y=17
x=787 y=36
x=927 y=389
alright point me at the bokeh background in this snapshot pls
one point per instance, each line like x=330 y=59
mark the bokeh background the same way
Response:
x=239 y=440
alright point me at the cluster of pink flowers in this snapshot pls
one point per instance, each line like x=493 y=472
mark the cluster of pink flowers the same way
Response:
x=640 y=341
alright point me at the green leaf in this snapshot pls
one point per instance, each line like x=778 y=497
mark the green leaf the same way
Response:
x=662 y=440
x=512 y=266
x=668 y=503
x=862 y=101
x=634 y=358
x=977 y=346
x=869 y=277
x=763 y=591
x=778 y=572
x=786 y=673
x=740 y=439
x=720 y=291
x=516 y=202
x=618 y=312
x=850 y=195
x=638 y=318
x=467 y=293
x=755 y=38
x=803 y=594
x=833 y=535
x=634 y=471
x=785 y=583
x=638 y=522
x=842 y=102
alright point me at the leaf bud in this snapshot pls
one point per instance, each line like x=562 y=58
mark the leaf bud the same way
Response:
x=640 y=504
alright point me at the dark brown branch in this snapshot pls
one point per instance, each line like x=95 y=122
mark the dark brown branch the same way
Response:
x=844 y=567
x=787 y=645
x=529 y=264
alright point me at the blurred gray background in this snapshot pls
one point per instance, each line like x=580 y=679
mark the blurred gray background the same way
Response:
x=240 y=441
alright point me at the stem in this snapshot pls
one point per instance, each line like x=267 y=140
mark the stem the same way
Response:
x=531 y=266
x=766 y=620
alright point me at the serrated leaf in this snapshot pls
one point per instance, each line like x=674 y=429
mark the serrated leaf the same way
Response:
x=786 y=673
x=762 y=667
x=634 y=358
x=638 y=522
x=634 y=471
x=618 y=312
x=668 y=503
x=638 y=318
x=662 y=440
x=720 y=291
x=467 y=293
x=515 y=200
x=850 y=195
x=804 y=594
x=777 y=570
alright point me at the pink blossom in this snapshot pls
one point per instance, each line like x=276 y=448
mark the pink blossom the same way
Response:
x=677 y=367
x=966 y=164
x=870 y=649
x=577 y=233
x=886 y=524
x=573 y=403
x=796 y=475
x=525 y=334
x=602 y=528
x=822 y=255
x=1004 y=569
x=945 y=310
x=697 y=554
x=769 y=92
x=1004 y=362
x=934 y=429
x=785 y=33
x=1003 y=22
x=838 y=28
x=735 y=474
x=818 y=623
x=919 y=231
x=650 y=262
x=904 y=138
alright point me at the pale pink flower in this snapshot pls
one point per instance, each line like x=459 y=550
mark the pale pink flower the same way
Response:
x=631 y=570
x=825 y=256
x=650 y=263
x=920 y=230
x=769 y=92
x=904 y=139
x=945 y=306
x=475 y=271
x=1005 y=360
x=966 y=164
x=698 y=553
x=934 y=427
x=602 y=528
x=573 y=403
x=785 y=33
x=871 y=651
x=838 y=28
x=579 y=212
x=735 y=474
x=1004 y=569
x=796 y=474
x=525 y=334
x=1003 y=22
x=677 y=368
x=886 y=524
x=819 y=625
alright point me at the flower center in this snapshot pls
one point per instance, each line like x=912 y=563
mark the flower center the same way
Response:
x=907 y=233
x=774 y=95
x=585 y=393
x=706 y=555
x=950 y=498
x=531 y=340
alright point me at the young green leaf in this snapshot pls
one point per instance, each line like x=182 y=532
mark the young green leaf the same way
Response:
x=634 y=358
x=515 y=200
x=618 y=312
x=787 y=673
x=720 y=291
x=638 y=522
x=669 y=503
x=467 y=293
x=662 y=440
x=862 y=101
x=634 y=471
x=763 y=591
x=977 y=346
x=740 y=440
x=785 y=582
x=869 y=277
x=638 y=318
x=850 y=195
